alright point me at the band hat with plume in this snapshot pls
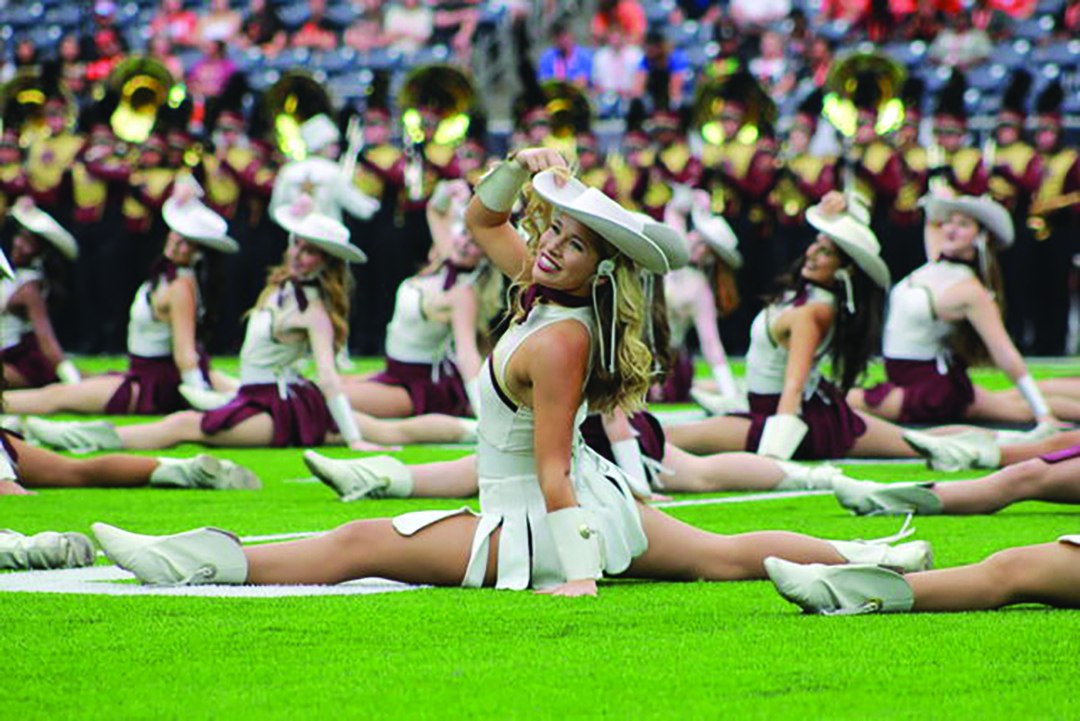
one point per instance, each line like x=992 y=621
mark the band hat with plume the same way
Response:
x=853 y=236
x=632 y=236
x=318 y=132
x=40 y=223
x=185 y=214
x=988 y=213
x=302 y=220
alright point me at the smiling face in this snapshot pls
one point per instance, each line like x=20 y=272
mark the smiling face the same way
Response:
x=180 y=250
x=463 y=250
x=959 y=232
x=822 y=260
x=566 y=256
x=304 y=259
x=25 y=246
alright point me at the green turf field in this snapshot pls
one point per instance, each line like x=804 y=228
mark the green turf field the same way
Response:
x=639 y=650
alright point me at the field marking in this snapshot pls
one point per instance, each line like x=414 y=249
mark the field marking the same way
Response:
x=746 y=498
x=105 y=581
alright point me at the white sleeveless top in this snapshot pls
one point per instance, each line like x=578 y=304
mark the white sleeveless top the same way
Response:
x=680 y=304
x=12 y=326
x=505 y=435
x=912 y=329
x=766 y=360
x=147 y=335
x=264 y=358
x=410 y=336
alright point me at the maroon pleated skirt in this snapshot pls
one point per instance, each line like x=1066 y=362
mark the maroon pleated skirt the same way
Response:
x=155 y=383
x=650 y=435
x=676 y=388
x=929 y=396
x=26 y=358
x=833 y=425
x=445 y=395
x=300 y=419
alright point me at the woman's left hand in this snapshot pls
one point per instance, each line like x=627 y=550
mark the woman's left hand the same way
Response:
x=572 y=589
x=11 y=488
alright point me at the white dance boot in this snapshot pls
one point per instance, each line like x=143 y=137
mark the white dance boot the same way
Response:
x=204 y=399
x=801 y=477
x=958 y=452
x=716 y=404
x=203 y=471
x=202 y=556
x=45 y=550
x=866 y=498
x=374 y=477
x=840 y=590
x=74 y=436
x=906 y=557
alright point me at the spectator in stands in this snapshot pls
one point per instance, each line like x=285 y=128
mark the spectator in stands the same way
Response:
x=990 y=20
x=663 y=71
x=318 y=32
x=819 y=60
x=1018 y=9
x=455 y=23
x=208 y=76
x=1067 y=23
x=26 y=53
x=626 y=14
x=700 y=11
x=960 y=45
x=366 y=32
x=160 y=48
x=850 y=11
x=408 y=25
x=72 y=67
x=615 y=65
x=799 y=37
x=175 y=22
x=924 y=24
x=220 y=22
x=771 y=68
x=750 y=14
x=263 y=29
x=109 y=50
x=565 y=59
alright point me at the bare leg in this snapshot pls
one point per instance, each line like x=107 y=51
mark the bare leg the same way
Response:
x=720 y=472
x=445 y=479
x=1027 y=451
x=183 y=427
x=437 y=555
x=997 y=406
x=378 y=399
x=881 y=440
x=1046 y=573
x=888 y=409
x=712 y=435
x=88 y=396
x=40 y=468
x=13 y=379
x=678 y=551
x=1033 y=480
x=430 y=428
x=223 y=383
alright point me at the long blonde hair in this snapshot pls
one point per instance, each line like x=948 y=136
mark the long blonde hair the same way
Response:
x=625 y=387
x=335 y=288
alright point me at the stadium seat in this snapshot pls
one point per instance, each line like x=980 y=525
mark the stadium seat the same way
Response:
x=293 y=16
x=66 y=16
x=1011 y=55
x=336 y=61
x=1034 y=28
x=289 y=58
x=987 y=77
x=1060 y=53
x=380 y=59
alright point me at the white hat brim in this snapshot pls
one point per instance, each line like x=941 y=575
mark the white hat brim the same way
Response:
x=856 y=240
x=40 y=223
x=671 y=241
x=199 y=224
x=608 y=219
x=988 y=213
x=323 y=232
x=5 y=267
x=719 y=236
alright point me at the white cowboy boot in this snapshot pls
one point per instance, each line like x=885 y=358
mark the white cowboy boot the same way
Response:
x=866 y=498
x=45 y=550
x=202 y=556
x=958 y=452
x=800 y=477
x=907 y=557
x=203 y=471
x=374 y=477
x=75 y=436
x=840 y=590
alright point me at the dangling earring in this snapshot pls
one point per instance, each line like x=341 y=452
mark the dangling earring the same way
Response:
x=606 y=269
x=844 y=276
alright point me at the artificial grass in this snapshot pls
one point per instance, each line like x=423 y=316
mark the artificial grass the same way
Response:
x=641 y=649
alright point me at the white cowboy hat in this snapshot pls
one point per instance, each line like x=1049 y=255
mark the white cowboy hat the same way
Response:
x=618 y=226
x=671 y=242
x=185 y=214
x=988 y=213
x=855 y=239
x=40 y=223
x=318 y=132
x=718 y=235
x=5 y=267
x=302 y=220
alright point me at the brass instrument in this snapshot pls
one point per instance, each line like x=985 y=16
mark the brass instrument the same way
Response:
x=295 y=98
x=712 y=96
x=443 y=89
x=23 y=99
x=143 y=86
x=843 y=81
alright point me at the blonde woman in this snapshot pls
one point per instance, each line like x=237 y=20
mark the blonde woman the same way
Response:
x=554 y=516
x=432 y=356
x=300 y=315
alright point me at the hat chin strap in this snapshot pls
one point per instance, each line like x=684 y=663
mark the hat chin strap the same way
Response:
x=843 y=275
x=606 y=269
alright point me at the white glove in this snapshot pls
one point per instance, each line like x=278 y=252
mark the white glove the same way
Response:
x=194 y=378
x=627 y=454
x=576 y=542
x=342 y=413
x=725 y=380
x=68 y=373
x=499 y=188
x=782 y=435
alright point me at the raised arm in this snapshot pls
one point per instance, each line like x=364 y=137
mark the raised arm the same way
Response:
x=488 y=214
x=464 y=310
x=183 y=311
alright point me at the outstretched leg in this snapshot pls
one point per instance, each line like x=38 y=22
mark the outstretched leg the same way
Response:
x=881 y=440
x=378 y=399
x=1026 y=451
x=720 y=472
x=184 y=427
x=1033 y=480
x=712 y=435
x=40 y=468
x=88 y=396
x=1046 y=573
x=436 y=555
x=430 y=428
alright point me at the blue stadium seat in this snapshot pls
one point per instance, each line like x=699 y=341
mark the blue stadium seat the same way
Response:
x=909 y=54
x=1011 y=55
x=67 y=16
x=342 y=15
x=428 y=56
x=987 y=77
x=1034 y=28
x=293 y=16
x=23 y=16
x=263 y=79
x=336 y=61
x=380 y=59
x=290 y=58
x=1060 y=53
